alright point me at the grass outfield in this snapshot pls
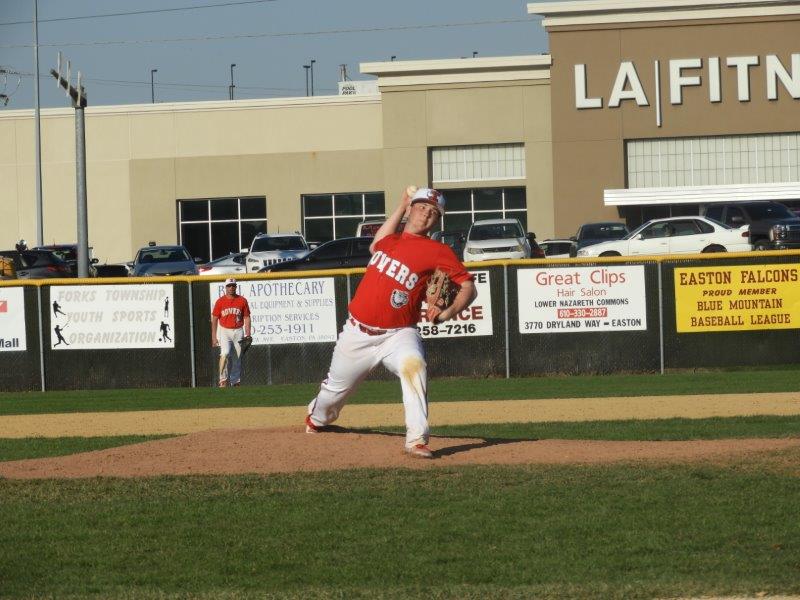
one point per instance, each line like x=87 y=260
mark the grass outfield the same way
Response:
x=40 y=447
x=379 y=392
x=621 y=531
x=659 y=429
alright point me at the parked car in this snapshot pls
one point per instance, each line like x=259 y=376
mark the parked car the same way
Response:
x=112 y=270
x=270 y=248
x=675 y=235
x=557 y=248
x=344 y=253
x=495 y=239
x=370 y=227
x=35 y=264
x=455 y=239
x=594 y=233
x=163 y=260
x=772 y=225
x=69 y=254
x=225 y=265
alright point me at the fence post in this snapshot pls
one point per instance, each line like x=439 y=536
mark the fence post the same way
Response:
x=660 y=318
x=505 y=304
x=41 y=334
x=191 y=334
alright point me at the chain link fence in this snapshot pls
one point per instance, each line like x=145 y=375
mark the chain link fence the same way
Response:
x=499 y=347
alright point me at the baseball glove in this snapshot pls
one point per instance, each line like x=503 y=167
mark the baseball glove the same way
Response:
x=245 y=343
x=440 y=290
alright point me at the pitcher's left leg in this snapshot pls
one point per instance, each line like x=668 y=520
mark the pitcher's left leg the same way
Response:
x=405 y=357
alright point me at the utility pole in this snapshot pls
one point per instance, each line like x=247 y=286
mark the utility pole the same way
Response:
x=78 y=96
x=312 y=77
x=37 y=129
x=306 y=67
x=152 y=86
x=230 y=88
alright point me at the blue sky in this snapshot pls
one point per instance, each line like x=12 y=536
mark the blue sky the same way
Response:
x=266 y=66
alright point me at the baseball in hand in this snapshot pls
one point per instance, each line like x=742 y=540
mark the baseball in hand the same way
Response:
x=411 y=190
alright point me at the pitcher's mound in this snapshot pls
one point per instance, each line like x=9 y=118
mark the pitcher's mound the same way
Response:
x=229 y=451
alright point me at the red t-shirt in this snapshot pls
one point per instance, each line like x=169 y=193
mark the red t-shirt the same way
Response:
x=391 y=293
x=231 y=311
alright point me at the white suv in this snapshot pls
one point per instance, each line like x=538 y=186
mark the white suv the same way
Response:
x=270 y=248
x=496 y=239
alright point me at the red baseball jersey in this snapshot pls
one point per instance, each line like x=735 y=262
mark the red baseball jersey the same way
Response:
x=391 y=293
x=231 y=311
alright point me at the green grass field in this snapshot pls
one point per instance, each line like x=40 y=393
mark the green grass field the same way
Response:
x=378 y=392
x=616 y=531
x=477 y=532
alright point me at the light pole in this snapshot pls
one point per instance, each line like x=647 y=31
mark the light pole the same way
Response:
x=312 y=76
x=37 y=130
x=152 y=86
x=306 y=67
x=230 y=89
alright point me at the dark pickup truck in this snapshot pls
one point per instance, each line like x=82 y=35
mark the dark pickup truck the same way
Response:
x=772 y=225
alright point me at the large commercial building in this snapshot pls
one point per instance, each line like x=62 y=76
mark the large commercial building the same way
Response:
x=643 y=108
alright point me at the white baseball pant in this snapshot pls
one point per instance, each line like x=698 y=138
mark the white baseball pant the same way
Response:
x=230 y=366
x=356 y=354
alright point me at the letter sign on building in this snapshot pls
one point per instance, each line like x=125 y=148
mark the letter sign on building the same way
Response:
x=689 y=72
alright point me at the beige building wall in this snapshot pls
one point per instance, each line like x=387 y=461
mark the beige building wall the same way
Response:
x=142 y=159
x=429 y=104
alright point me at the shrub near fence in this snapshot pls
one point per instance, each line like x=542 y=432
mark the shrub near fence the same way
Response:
x=519 y=326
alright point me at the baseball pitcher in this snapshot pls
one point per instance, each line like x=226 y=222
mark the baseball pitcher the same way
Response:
x=230 y=325
x=382 y=325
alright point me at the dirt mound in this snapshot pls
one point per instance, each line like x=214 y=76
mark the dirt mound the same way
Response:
x=288 y=450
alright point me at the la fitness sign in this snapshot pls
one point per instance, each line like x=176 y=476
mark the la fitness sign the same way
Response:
x=689 y=72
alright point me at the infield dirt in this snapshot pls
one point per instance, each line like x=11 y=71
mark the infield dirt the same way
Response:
x=217 y=443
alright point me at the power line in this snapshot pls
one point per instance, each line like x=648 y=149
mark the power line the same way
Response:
x=140 y=12
x=199 y=87
x=279 y=35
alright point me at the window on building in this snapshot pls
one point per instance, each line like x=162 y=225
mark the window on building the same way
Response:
x=722 y=160
x=478 y=163
x=215 y=227
x=465 y=206
x=331 y=216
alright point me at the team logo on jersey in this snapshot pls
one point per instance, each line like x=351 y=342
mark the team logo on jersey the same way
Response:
x=399 y=298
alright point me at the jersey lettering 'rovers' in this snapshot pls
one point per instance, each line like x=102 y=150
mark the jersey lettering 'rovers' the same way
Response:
x=394 y=269
x=391 y=293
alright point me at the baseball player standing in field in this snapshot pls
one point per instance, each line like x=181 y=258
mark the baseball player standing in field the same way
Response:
x=230 y=323
x=382 y=326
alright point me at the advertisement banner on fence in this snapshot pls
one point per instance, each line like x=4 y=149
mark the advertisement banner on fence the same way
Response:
x=473 y=321
x=12 y=320
x=288 y=311
x=111 y=317
x=737 y=298
x=581 y=299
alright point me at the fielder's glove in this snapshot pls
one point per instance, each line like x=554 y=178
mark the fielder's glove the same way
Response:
x=245 y=343
x=440 y=291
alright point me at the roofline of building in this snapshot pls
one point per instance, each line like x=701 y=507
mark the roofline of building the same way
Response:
x=459 y=70
x=211 y=105
x=597 y=12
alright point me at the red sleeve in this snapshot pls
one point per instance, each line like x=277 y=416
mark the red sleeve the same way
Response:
x=246 y=308
x=450 y=264
x=217 y=312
